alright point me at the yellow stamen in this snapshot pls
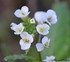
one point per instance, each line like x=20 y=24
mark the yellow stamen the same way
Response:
x=46 y=44
x=22 y=13
x=49 y=18
x=19 y=29
x=26 y=41
x=42 y=29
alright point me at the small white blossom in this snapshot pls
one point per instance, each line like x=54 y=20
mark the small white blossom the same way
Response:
x=26 y=41
x=18 y=29
x=32 y=21
x=42 y=29
x=23 y=12
x=40 y=16
x=45 y=44
x=51 y=17
x=50 y=59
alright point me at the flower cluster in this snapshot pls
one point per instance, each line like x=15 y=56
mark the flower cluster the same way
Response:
x=44 y=20
x=31 y=26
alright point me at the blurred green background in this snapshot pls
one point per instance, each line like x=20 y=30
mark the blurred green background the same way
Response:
x=59 y=33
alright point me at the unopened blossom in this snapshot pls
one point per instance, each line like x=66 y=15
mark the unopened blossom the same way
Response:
x=17 y=28
x=26 y=40
x=51 y=17
x=40 y=16
x=23 y=12
x=32 y=21
x=42 y=29
x=45 y=44
x=49 y=59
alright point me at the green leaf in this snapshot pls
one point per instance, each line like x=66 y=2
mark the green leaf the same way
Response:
x=16 y=57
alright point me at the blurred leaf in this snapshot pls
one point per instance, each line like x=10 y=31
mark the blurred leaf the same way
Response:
x=68 y=60
x=16 y=57
x=59 y=34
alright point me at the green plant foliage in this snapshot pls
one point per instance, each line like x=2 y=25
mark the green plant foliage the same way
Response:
x=59 y=34
x=15 y=57
x=30 y=28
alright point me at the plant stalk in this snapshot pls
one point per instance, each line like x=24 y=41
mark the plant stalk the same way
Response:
x=39 y=52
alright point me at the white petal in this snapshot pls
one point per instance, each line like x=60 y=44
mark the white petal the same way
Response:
x=24 y=46
x=39 y=47
x=24 y=9
x=18 y=13
x=51 y=12
x=30 y=38
x=46 y=28
x=39 y=16
x=45 y=32
x=53 y=57
x=24 y=35
x=17 y=33
x=27 y=36
x=45 y=39
x=26 y=14
x=21 y=26
x=14 y=26
x=54 y=19
x=48 y=58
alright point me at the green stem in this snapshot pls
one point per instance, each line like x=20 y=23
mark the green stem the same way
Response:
x=39 y=52
x=39 y=38
x=40 y=56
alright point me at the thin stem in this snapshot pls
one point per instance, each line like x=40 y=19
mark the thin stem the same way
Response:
x=40 y=57
x=39 y=38
x=39 y=52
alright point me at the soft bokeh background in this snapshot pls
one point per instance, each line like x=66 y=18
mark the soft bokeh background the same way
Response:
x=59 y=33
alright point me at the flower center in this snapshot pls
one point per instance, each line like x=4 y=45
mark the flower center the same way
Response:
x=42 y=29
x=23 y=13
x=26 y=41
x=49 y=18
x=51 y=60
x=46 y=44
x=19 y=29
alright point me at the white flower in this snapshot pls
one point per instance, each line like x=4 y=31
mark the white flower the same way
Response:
x=40 y=16
x=23 y=12
x=17 y=28
x=32 y=21
x=42 y=29
x=26 y=41
x=51 y=17
x=45 y=44
x=50 y=59
x=39 y=47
